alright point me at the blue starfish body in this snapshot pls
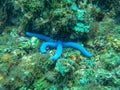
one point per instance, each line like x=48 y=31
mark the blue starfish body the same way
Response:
x=40 y=36
x=59 y=45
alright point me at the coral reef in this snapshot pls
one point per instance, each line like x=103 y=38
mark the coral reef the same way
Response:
x=93 y=24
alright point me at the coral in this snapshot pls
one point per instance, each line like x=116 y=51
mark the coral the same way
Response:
x=116 y=44
x=32 y=43
x=41 y=84
x=51 y=76
x=3 y=17
x=25 y=72
x=64 y=22
x=32 y=5
x=80 y=26
x=59 y=45
x=104 y=77
x=62 y=17
x=1 y=77
x=7 y=59
x=65 y=66
x=110 y=61
x=107 y=5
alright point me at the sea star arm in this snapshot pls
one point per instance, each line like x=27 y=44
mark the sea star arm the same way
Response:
x=78 y=47
x=58 y=52
x=40 y=36
x=45 y=45
x=59 y=44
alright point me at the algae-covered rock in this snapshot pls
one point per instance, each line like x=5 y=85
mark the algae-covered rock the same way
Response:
x=64 y=66
x=32 y=43
x=110 y=61
x=116 y=44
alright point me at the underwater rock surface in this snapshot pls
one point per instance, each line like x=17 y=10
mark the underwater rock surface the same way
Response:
x=94 y=24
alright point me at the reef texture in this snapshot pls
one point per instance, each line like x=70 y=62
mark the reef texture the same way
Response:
x=78 y=26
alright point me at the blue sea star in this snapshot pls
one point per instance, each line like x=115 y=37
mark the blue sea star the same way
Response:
x=59 y=45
